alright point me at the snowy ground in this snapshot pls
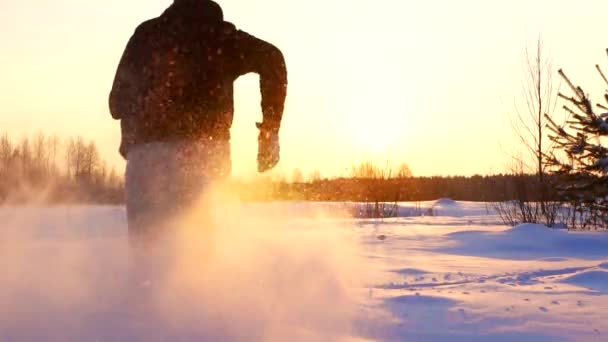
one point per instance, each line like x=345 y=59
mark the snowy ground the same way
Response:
x=287 y=271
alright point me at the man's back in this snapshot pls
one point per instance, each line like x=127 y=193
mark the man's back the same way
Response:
x=175 y=80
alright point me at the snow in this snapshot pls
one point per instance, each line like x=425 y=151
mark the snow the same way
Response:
x=592 y=280
x=445 y=201
x=303 y=272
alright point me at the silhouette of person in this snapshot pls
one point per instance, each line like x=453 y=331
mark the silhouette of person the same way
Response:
x=173 y=93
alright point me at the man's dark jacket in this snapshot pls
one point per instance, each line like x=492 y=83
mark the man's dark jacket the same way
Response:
x=154 y=93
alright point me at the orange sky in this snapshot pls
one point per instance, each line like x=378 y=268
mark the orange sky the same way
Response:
x=429 y=82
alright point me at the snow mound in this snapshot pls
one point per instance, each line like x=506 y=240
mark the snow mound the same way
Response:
x=530 y=230
x=445 y=201
x=529 y=241
x=593 y=280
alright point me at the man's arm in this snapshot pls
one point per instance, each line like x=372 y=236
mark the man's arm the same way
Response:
x=265 y=59
x=123 y=96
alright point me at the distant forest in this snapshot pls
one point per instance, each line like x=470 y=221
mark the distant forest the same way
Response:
x=46 y=169
x=495 y=188
x=49 y=170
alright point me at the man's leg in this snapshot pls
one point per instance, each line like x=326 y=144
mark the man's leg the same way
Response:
x=150 y=200
x=148 y=184
x=165 y=180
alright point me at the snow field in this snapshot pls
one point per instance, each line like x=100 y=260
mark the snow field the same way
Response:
x=297 y=271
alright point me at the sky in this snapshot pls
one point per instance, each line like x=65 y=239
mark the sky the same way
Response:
x=430 y=83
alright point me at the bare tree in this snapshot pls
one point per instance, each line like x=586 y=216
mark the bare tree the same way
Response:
x=404 y=171
x=297 y=176
x=76 y=153
x=532 y=201
x=54 y=150
x=6 y=155
x=315 y=176
x=90 y=161
x=374 y=184
x=540 y=98
x=40 y=158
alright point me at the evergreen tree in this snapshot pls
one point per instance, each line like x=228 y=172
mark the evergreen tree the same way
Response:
x=582 y=161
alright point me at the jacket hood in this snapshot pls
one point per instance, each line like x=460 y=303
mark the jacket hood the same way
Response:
x=201 y=11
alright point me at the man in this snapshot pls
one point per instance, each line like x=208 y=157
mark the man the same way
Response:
x=173 y=93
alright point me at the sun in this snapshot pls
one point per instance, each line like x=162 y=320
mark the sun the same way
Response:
x=369 y=135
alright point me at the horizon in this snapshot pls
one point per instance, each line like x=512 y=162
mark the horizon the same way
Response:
x=428 y=84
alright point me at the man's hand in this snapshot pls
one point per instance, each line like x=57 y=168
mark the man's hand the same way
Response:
x=268 y=148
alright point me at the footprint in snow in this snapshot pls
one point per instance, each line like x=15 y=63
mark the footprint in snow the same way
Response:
x=554 y=302
x=527 y=299
x=548 y=288
x=580 y=303
x=543 y=309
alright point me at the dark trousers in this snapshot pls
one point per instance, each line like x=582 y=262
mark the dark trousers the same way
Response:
x=165 y=179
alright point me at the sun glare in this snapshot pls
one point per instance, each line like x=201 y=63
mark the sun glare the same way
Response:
x=372 y=136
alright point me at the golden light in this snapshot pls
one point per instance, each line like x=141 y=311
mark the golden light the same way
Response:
x=377 y=126
x=373 y=136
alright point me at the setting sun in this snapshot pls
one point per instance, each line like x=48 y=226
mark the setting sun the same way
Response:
x=372 y=136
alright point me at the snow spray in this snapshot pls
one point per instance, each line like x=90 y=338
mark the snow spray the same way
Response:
x=231 y=272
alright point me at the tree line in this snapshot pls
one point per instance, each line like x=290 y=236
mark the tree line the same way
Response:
x=48 y=169
x=369 y=182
